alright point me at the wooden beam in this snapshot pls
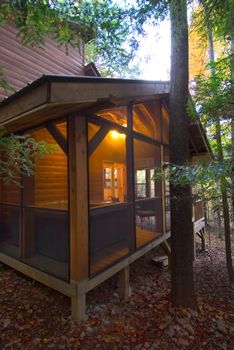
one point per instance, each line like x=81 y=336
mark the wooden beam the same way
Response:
x=163 y=193
x=108 y=123
x=193 y=144
x=130 y=180
x=59 y=138
x=78 y=205
x=78 y=307
x=97 y=139
x=97 y=107
x=42 y=277
x=78 y=198
x=167 y=249
x=132 y=99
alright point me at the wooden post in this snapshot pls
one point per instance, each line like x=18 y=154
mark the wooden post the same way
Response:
x=163 y=194
x=130 y=179
x=78 y=307
x=167 y=249
x=123 y=283
x=78 y=204
x=27 y=241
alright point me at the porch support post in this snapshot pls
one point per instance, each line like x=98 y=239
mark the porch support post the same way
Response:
x=78 y=307
x=78 y=204
x=130 y=179
x=163 y=194
x=167 y=249
x=123 y=283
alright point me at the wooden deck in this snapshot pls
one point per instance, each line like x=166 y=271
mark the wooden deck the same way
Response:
x=142 y=237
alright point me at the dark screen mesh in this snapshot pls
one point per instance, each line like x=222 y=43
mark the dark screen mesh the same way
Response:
x=47 y=233
x=9 y=229
x=109 y=230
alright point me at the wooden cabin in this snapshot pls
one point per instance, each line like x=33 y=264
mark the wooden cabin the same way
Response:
x=92 y=206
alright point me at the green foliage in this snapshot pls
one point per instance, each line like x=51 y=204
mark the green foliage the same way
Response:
x=72 y=22
x=213 y=94
x=18 y=156
x=3 y=81
x=196 y=174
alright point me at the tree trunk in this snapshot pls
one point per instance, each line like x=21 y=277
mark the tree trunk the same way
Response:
x=219 y=225
x=181 y=200
x=231 y=21
x=226 y=217
x=223 y=187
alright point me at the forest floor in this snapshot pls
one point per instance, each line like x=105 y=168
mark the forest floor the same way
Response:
x=33 y=316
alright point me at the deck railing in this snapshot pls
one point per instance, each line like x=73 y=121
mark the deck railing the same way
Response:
x=198 y=210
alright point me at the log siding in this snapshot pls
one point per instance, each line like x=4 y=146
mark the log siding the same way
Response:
x=24 y=64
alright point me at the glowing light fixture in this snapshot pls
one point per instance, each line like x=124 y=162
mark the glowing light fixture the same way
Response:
x=116 y=135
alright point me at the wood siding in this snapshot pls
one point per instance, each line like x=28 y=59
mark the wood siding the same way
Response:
x=50 y=179
x=24 y=64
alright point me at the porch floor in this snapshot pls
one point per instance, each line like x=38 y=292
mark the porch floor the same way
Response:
x=142 y=237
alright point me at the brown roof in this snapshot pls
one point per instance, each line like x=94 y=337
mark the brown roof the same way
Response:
x=52 y=96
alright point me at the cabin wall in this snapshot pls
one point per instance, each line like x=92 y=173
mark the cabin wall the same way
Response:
x=50 y=180
x=24 y=64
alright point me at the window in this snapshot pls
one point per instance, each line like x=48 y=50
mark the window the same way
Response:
x=141 y=183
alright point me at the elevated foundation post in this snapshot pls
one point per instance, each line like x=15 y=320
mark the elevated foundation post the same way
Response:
x=123 y=283
x=78 y=307
x=167 y=249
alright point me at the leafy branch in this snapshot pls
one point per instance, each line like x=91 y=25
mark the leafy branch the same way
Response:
x=180 y=175
x=18 y=156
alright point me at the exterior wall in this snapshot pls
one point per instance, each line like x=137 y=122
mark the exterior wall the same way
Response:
x=24 y=64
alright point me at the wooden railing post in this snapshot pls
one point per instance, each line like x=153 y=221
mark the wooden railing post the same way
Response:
x=78 y=205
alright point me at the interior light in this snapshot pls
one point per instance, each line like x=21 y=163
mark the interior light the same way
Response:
x=115 y=134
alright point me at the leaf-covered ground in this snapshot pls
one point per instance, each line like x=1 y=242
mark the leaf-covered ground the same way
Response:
x=33 y=316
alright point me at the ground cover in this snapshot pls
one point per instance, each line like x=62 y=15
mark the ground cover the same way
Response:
x=33 y=316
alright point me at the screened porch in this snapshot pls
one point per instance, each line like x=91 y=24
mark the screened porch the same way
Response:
x=124 y=200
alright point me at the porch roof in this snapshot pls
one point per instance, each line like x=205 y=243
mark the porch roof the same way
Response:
x=53 y=96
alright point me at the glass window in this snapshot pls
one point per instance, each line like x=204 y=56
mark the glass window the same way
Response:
x=146 y=119
x=141 y=183
x=148 y=192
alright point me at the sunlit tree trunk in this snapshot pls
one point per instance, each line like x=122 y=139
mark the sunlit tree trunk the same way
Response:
x=181 y=200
